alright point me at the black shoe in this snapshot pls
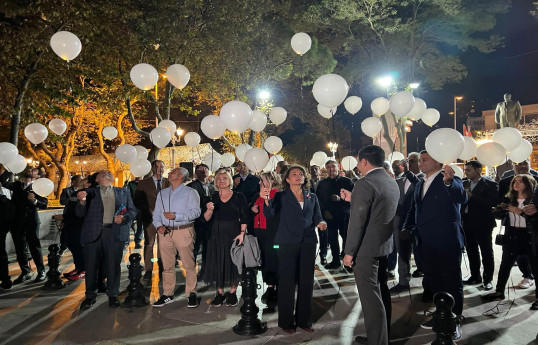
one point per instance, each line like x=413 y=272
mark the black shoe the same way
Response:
x=427 y=324
x=87 y=304
x=6 y=284
x=113 y=302
x=61 y=252
x=534 y=305
x=395 y=290
x=494 y=296
x=361 y=340
x=488 y=286
x=333 y=265
x=472 y=281
x=40 y=276
x=102 y=288
x=391 y=274
x=192 y=300
x=138 y=246
x=323 y=261
x=269 y=295
x=457 y=333
x=22 y=278
x=427 y=296
x=163 y=300
x=231 y=299
x=148 y=275
x=218 y=300
x=417 y=274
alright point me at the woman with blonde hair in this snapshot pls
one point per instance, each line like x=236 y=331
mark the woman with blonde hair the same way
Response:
x=228 y=213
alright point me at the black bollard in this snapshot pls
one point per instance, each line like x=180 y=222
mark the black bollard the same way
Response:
x=54 y=282
x=136 y=297
x=444 y=320
x=249 y=323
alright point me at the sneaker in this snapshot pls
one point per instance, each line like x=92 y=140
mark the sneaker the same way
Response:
x=525 y=283
x=231 y=300
x=192 y=300
x=218 y=300
x=80 y=275
x=494 y=296
x=164 y=300
x=6 y=284
x=395 y=290
x=457 y=333
x=427 y=324
x=73 y=272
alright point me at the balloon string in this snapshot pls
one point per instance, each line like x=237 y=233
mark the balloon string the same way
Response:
x=69 y=78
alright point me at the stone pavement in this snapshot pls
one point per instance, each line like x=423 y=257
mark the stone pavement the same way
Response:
x=31 y=315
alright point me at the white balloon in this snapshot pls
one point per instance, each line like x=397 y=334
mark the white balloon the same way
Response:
x=141 y=152
x=457 y=170
x=277 y=115
x=401 y=103
x=353 y=104
x=273 y=144
x=430 y=116
x=240 y=151
x=17 y=166
x=271 y=164
x=144 y=76
x=169 y=125
x=418 y=109
x=43 y=187
x=192 y=139
x=8 y=153
x=326 y=112
x=380 y=106
x=445 y=145
x=212 y=126
x=236 y=116
x=36 y=133
x=320 y=158
x=522 y=152
x=160 y=137
x=395 y=156
x=330 y=90
x=227 y=159
x=301 y=43
x=258 y=122
x=110 y=132
x=213 y=161
x=371 y=126
x=57 y=126
x=348 y=163
x=256 y=159
x=508 y=137
x=178 y=75
x=126 y=153
x=491 y=154
x=140 y=167
x=469 y=149
x=66 y=45
x=313 y=162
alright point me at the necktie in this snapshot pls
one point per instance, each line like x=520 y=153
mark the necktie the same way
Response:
x=159 y=185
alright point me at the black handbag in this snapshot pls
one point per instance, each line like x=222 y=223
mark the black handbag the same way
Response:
x=499 y=239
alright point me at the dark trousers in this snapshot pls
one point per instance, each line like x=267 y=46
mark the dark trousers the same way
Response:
x=524 y=266
x=106 y=248
x=295 y=266
x=4 y=269
x=74 y=245
x=23 y=234
x=334 y=226
x=392 y=258
x=138 y=228
x=371 y=278
x=442 y=273
x=518 y=242
x=416 y=251
x=269 y=255
x=475 y=238
x=63 y=240
x=323 y=242
x=202 y=236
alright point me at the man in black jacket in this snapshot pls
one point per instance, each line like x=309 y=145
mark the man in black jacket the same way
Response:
x=478 y=223
x=245 y=182
x=335 y=211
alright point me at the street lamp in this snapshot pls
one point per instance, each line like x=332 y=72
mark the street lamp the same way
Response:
x=414 y=85
x=456 y=99
x=264 y=95
x=176 y=138
x=333 y=147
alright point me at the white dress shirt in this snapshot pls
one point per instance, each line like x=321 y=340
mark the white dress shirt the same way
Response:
x=428 y=181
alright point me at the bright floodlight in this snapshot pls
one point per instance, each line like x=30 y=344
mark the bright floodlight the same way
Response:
x=414 y=85
x=264 y=94
x=385 y=81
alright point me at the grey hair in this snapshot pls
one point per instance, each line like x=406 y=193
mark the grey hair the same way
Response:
x=185 y=173
x=413 y=154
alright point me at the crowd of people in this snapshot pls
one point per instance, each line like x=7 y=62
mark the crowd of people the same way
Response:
x=374 y=219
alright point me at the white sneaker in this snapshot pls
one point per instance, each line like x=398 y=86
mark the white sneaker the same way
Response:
x=525 y=283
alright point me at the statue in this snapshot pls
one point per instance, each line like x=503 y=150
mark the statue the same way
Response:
x=508 y=113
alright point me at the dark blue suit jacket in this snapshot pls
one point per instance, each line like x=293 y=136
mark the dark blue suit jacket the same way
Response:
x=296 y=225
x=92 y=211
x=437 y=215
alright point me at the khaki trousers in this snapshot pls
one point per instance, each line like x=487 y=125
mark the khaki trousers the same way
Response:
x=183 y=241
x=150 y=234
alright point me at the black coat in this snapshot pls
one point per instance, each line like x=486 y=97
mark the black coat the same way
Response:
x=329 y=186
x=26 y=210
x=484 y=196
x=249 y=187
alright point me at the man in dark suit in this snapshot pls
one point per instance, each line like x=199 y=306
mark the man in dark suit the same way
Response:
x=205 y=191
x=315 y=179
x=245 y=182
x=26 y=231
x=145 y=197
x=436 y=214
x=478 y=222
x=335 y=211
x=373 y=206
x=108 y=213
x=406 y=242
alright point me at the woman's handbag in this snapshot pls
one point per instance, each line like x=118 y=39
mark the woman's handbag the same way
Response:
x=499 y=239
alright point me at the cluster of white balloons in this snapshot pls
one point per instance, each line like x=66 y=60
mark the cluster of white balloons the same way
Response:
x=137 y=158
x=145 y=76
x=36 y=133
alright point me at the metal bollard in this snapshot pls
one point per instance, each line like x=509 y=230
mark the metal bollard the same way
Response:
x=444 y=320
x=136 y=297
x=54 y=282
x=249 y=323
